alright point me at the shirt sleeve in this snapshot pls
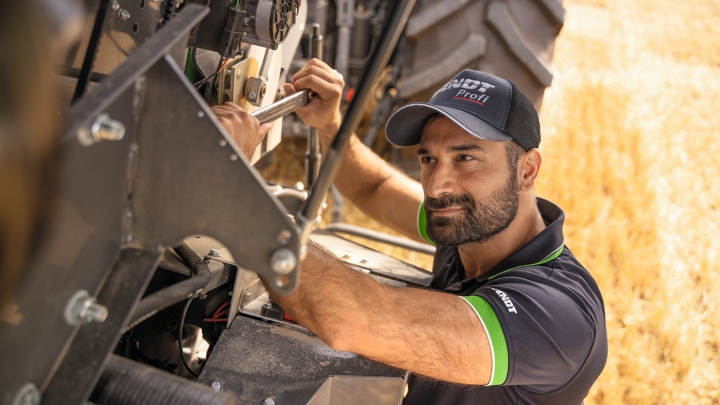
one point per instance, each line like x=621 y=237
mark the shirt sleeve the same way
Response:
x=539 y=334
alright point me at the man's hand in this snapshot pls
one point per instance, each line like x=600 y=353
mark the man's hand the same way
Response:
x=323 y=111
x=244 y=129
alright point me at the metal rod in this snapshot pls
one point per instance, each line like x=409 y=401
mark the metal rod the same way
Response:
x=376 y=62
x=313 y=156
x=381 y=237
x=282 y=108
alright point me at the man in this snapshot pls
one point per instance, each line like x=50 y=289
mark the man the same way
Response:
x=511 y=316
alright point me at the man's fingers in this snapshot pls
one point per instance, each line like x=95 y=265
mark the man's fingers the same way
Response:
x=325 y=75
x=289 y=89
x=320 y=87
x=264 y=129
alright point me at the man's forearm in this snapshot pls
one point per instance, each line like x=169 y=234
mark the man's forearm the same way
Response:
x=378 y=189
x=427 y=332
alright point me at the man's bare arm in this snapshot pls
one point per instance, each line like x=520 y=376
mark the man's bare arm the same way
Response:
x=430 y=333
x=378 y=189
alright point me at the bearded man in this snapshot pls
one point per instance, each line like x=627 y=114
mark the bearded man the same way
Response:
x=511 y=316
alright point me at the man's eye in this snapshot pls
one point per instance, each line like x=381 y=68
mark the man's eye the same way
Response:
x=465 y=158
x=427 y=159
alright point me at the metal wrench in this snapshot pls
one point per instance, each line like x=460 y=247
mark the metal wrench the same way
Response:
x=283 y=107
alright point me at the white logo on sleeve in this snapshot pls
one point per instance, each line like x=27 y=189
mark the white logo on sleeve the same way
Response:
x=506 y=300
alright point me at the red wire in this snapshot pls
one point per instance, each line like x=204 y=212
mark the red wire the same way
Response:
x=215 y=319
x=220 y=308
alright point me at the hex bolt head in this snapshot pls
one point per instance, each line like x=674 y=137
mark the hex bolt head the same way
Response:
x=267 y=305
x=269 y=401
x=115 y=6
x=82 y=308
x=216 y=385
x=283 y=261
x=214 y=252
x=29 y=394
x=252 y=96
x=124 y=14
x=106 y=128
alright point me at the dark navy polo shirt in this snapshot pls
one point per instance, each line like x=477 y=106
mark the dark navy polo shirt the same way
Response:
x=544 y=317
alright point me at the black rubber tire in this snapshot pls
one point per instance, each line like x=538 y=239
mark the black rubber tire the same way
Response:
x=513 y=39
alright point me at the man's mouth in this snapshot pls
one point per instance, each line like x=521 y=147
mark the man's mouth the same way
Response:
x=446 y=211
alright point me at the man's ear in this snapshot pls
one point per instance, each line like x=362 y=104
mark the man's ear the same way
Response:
x=529 y=168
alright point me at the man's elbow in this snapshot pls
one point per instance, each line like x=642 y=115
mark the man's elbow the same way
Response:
x=338 y=339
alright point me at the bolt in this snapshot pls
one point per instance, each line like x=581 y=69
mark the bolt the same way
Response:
x=82 y=308
x=124 y=14
x=216 y=385
x=283 y=261
x=223 y=143
x=233 y=157
x=200 y=114
x=284 y=236
x=269 y=401
x=29 y=394
x=246 y=20
x=252 y=96
x=268 y=305
x=115 y=5
x=214 y=252
x=107 y=128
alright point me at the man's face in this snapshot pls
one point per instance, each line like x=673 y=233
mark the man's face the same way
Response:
x=471 y=192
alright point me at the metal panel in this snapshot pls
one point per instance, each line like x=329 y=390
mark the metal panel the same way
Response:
x=359 y=390
x=378 y=263
x=89 y=350
x=255 y=360
x=175 y=193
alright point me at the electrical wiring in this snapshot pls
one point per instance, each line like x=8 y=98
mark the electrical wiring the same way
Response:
x=205 y=80
x=180 y=339
x=222 y=310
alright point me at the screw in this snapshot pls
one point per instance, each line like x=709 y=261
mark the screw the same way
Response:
x=246 y=20
x=223 y=143
x=216 y=385
x=269 y=401
x=233 y=157
x=284 y=236
x=283 y=261
x=124 y=14
x=115 y=6
x=29 y=394
x=214 y=252
x=82 y=308
x=268 y=305
x=107 y=128
x=252 y=96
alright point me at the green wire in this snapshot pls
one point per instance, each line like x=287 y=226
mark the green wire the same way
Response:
x=237 y=5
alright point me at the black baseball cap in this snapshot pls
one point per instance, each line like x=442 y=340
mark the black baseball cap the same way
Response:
x=483 y=105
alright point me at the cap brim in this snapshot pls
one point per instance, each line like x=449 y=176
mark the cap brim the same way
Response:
x=405 y=126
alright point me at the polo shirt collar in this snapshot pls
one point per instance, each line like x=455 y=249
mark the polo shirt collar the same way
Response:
x=544 y=247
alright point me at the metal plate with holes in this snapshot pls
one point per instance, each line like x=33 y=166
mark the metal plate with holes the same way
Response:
x=378 y=263
x=255 y=360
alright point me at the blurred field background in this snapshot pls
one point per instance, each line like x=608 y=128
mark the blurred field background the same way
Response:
x=630 y=145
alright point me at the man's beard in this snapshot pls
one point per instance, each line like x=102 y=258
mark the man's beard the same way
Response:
x=479 y=221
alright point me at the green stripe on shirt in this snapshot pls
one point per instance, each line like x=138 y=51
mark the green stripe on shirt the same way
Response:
x=495 y=335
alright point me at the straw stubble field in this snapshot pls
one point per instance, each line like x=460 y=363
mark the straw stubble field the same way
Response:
x=630 y=128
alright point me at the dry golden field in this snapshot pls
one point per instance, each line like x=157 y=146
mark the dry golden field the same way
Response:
x=630 y=128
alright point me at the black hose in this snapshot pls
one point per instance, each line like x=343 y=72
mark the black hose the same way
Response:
x=126 y=382
x=179 y=292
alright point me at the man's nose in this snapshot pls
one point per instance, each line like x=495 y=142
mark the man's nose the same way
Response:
x=441 y=181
